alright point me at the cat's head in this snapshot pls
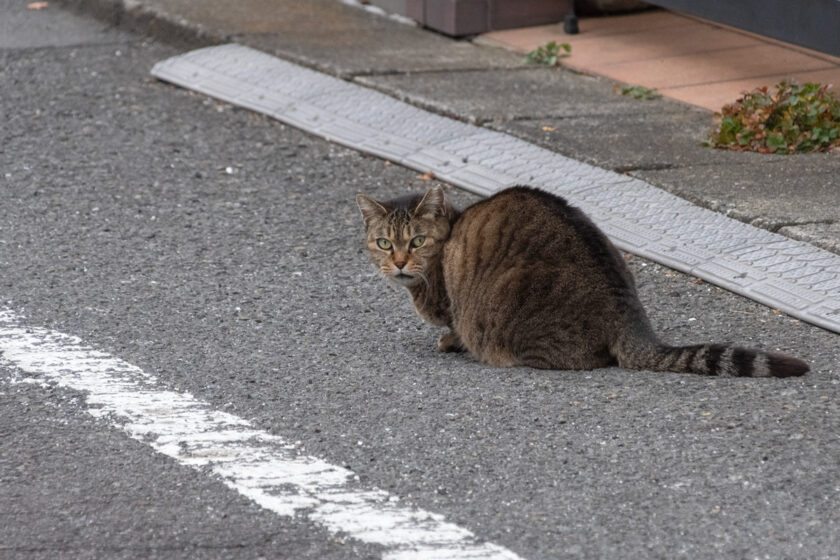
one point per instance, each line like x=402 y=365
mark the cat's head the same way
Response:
x=405 y=236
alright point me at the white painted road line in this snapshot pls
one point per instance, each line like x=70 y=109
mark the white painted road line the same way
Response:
x=259 y=465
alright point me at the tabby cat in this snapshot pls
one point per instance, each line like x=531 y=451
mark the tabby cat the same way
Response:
x=524 y=279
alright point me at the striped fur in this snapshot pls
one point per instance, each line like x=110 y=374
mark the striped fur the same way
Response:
x=714 y=359
x=522 y=278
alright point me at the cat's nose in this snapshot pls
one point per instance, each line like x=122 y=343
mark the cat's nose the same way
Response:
x=399 y=264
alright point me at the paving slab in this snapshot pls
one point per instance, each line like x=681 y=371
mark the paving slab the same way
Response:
x=683 y=36
x=753 y=61
x=791 y=190
x=717 y=94
x=647 y=139
x=512 y=94
x=22 y=28
x=527 y=38
x=825 y=236
x=580 y=116
x=324 y=34
x=687 y=58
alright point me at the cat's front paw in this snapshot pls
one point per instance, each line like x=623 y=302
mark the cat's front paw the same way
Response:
x=450 y=342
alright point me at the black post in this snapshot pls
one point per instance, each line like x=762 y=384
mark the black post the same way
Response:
x=570 y=22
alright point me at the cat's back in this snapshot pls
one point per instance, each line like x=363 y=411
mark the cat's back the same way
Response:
x=523 y=270
x=523 y=226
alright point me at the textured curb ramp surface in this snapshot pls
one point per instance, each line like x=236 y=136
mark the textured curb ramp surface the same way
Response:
x=795 y=277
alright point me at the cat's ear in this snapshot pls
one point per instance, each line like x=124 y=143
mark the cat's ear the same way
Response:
x=433 y=203
x=370 y=208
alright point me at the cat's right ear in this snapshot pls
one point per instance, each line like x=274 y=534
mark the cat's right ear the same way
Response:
x=370 y=208
x=432 y=204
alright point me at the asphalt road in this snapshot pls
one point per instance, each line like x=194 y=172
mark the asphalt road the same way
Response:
x=222 y=252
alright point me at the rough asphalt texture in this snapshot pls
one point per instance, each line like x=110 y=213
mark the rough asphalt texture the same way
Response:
x=122 y=224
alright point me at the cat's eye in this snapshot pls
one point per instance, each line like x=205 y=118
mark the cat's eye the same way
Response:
x=383 y=244
x=418 y=241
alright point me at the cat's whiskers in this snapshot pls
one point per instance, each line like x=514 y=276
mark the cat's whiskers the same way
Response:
x=425 y=280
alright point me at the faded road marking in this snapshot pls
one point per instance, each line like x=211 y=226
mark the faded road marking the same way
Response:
x=259 y=465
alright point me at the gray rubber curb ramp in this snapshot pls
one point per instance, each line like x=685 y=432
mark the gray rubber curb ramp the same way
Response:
x=792 y=276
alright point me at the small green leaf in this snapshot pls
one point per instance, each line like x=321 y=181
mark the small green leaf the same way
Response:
x=548 y=54
x=776 y=140
x=640 y=92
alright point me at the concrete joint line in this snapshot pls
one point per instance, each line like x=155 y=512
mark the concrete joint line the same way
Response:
x=778 y=227
x=777 y=271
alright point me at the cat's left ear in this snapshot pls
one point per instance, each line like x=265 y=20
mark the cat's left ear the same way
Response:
x=433 y=203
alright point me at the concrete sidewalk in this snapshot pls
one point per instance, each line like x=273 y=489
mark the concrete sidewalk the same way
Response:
x=577 y=115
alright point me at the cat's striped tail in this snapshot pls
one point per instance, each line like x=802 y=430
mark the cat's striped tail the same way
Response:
x=711 y=359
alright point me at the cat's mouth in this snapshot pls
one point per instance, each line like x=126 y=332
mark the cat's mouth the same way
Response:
x=403 y=279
